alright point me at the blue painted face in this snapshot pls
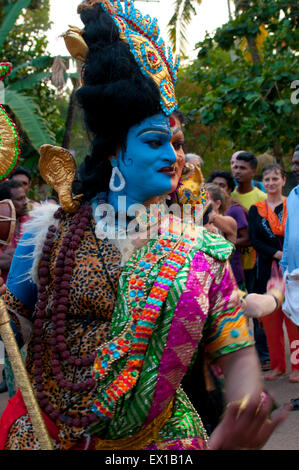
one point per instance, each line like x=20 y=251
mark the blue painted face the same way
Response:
x=148 y=162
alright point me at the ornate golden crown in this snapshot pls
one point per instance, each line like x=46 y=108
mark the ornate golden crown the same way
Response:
x=143 y=36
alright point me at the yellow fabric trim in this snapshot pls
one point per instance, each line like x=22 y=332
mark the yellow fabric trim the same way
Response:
x=140 y=440
x=235 y=335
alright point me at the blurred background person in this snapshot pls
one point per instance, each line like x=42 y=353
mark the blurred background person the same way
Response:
x=194 y=159
x=290 y=257
x=225 y=225
x=261 y=161
x=267 y=220
x=13 y=190
x=23 y=175
x=244 y=171
x=225 y=180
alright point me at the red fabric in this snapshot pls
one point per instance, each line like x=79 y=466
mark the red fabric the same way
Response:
x=273 y=325
x=14 y=410
x=17 y=408
x=14 y=242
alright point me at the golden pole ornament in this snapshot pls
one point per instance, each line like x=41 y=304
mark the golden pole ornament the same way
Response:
x=22 y=379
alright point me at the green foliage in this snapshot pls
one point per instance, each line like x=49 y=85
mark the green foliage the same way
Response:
x=243 y=98
x=10 y=19
x=24 y=109
x=178 y=24
x=28 y=96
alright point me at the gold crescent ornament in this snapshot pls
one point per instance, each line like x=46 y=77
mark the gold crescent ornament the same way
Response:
x=75 y=43
x=58 y=169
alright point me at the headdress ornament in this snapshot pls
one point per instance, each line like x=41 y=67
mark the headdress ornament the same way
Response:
x=143 y=36
x=193 y=190
x=9 y=139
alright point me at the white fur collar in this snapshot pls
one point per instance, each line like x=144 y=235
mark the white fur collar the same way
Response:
x=41 y=217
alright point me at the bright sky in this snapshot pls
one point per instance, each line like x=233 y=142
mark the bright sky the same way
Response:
x=210 y=15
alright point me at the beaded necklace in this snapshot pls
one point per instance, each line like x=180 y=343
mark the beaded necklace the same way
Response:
x=63 y=275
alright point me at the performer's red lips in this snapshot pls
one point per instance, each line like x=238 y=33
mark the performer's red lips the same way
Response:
x=168 y=170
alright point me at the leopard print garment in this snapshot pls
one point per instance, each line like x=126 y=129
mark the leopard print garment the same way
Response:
x=92 y=297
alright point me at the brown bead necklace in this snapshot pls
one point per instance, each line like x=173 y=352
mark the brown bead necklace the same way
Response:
x=63 y=275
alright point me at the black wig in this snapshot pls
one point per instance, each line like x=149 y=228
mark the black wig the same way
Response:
x=115 y=96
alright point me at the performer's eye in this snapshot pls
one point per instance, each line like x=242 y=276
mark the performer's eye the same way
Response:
x=178 y=145
x=154 y=144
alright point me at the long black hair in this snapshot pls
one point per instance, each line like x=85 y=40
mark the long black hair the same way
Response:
x=115 y=96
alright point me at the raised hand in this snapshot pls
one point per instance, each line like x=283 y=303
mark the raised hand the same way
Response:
x=2 y=286
x=247 y=424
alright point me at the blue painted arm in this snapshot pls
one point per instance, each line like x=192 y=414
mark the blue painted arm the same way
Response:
x=19 y=281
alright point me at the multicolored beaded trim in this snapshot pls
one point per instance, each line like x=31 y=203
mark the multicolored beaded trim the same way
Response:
x=5 y=69
x=145 y=309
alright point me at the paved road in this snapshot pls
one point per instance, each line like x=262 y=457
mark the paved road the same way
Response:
x=285 y=437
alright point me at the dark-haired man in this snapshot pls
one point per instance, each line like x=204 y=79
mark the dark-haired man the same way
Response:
x=13 y=190
x=23 y=175
x=244 y=171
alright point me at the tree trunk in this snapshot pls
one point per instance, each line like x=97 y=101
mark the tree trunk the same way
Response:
x=70 y=120
x=229 y=10
x=240 y=6
x=253 y=51
x=278 y=153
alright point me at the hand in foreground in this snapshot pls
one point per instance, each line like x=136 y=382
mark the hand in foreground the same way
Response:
x=2 y=286
x=248 y=426
x=276 y=279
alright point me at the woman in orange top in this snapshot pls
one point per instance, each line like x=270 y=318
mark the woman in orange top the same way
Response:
x=267 y=221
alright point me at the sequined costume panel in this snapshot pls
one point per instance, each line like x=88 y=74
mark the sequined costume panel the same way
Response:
x=215 y=304
x=196 y=299
x=227 y=327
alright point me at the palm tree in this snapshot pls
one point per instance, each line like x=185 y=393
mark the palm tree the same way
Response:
x=177 y=26
x=24 y=107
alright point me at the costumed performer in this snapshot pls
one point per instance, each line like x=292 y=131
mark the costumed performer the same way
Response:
x=117 y=319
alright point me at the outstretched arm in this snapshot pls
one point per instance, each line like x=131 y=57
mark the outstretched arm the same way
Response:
x=246 y=423
x=260 y=305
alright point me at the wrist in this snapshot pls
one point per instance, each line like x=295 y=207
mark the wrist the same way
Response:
x=278 y=296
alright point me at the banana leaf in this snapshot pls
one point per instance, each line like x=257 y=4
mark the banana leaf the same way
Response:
x=10 y=19
x=26 y=112
x=38 y=62
x=29 y=82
